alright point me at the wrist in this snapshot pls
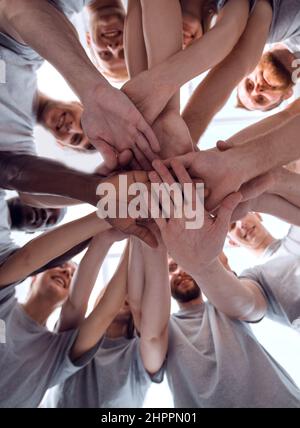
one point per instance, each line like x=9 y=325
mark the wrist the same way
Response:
x=93 y=83
x=205 y=271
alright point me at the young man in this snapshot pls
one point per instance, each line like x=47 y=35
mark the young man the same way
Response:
x=105 y=38
x=34 y=358
x=111 y=122
x=214 y=360
x=250 y=233
x=133 y=346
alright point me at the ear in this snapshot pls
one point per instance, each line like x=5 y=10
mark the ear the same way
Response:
x=232 y=243
x=288 y=94
x=88 y=38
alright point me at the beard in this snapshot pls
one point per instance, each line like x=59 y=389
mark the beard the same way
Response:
x=277 y=69
x=184 y=295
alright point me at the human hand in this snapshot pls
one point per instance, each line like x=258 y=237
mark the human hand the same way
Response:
x=113 y=124
x=121 y=199
x=206 y=243
x=149 y=94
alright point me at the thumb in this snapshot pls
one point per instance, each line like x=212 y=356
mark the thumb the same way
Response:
x=108 y=154
x=225 y=211
x=224 y=145
x=186 y=160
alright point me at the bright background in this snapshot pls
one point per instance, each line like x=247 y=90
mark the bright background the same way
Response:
x=281 y=342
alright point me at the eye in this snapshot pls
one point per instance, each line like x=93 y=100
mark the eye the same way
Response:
x=76 y=139
x=261 y=100
x=90 y=148
x=249 y=85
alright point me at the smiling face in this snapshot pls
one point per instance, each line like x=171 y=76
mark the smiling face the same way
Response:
x=63 y=120
x=183 y=287
x=105 y=40
x=249 y=232
x=31 y=219
x=267 y=86
x=54 y=284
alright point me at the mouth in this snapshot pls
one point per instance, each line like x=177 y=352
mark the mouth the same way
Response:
x=59 y=281
x=61 y=121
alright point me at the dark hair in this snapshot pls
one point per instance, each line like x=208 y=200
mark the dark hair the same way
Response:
x=130 y=331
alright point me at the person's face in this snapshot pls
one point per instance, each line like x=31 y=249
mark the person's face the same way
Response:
x=31 y=219
x=267 y=86
x=54 y=284
x=248 y=232
x=105 y=40
x=183 y=287
x=63 y=120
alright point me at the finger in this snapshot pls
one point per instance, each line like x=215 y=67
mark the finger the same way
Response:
x=161 y=197
x=144 y=147
x=152 y=202
x=135 y=165
x=141 y=158
x=186 y=160
x=257 y=186
x=224 y=145
x=225 y=212
x=149 y=135
x=125 y=157
x=108 y=154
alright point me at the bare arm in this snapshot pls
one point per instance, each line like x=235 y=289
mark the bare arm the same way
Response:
x=214 y=91
x=47 y=201
x=136 y=281
x=48 y=246
x=95 y=325
x=74 y=309
x=238 y=299
x=155 y=310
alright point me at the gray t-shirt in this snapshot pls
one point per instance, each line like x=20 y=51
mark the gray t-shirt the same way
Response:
x=216 y=362
x=7 y=246
x=18 y=87
x=286 y=22
x=289 y=245
x=115 y=378
x=280 y=278
x=32 y=359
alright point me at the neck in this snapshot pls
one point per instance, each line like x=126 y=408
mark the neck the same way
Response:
x=39 y=309
x=43 y=102
x=257 y=252
x=191 y=304
x=116 y=329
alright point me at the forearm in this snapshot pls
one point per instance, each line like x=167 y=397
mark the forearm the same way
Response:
x=95 y=325
x=214 y=91
x=227 y=293
x=278 y=207
x=287 y=185
x=207 y=52
x=136 y=280
x=135 y=49
x=36 y=22
x=32 y=174
x=48 y=246
x=74 y=309
x=47 y=201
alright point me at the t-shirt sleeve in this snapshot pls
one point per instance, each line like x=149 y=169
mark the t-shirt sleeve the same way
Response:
x=69 y=7
x=157 y=377
x=62 y=367
x=274 y=309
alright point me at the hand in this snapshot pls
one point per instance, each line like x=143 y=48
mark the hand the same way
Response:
x=111 y=236
x=173 y=134
x=193 y=249
x=222 y=172
x=128 y=225
x=149 y=94
x=113 y=124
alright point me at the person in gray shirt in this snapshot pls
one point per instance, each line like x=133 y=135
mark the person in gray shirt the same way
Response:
x=132 y=349
x=32 y=358
x=214 y=359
